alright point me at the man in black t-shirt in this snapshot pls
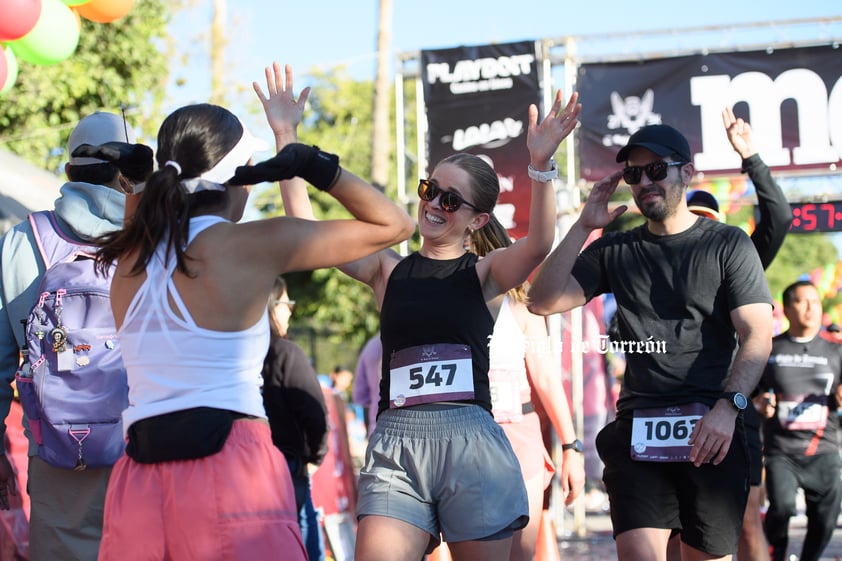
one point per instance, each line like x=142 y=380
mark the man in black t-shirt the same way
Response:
x=801 y=437
x=686 y=287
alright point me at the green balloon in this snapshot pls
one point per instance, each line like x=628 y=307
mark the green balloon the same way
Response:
x=11 y=70
x=54 y=37
x=76 y=2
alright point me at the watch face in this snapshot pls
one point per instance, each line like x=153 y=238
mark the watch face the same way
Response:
x=740 y=401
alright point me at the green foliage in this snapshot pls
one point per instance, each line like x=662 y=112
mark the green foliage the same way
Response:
x=335 y=315
x=116 y=64
x=800 y=255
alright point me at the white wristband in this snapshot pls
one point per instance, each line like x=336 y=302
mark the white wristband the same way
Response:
x=543 y=176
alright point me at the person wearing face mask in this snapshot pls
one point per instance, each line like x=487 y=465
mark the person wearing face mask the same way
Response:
x=686 y=289
x=66 y=511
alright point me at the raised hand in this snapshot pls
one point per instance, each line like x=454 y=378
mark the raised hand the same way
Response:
x=543 y=139
x=595 y=214
x=739 y=134
x=283 y=110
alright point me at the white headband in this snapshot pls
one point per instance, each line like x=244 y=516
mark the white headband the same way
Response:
x=214 y=179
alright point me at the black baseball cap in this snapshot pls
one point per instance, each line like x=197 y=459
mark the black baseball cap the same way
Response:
x=663 y=140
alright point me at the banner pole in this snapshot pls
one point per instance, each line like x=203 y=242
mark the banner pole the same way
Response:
x=400 y=150
x=576 y=332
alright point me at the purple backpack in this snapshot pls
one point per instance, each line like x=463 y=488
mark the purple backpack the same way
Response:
x=72 y=383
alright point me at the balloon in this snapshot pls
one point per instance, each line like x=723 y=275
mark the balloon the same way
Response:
x=54 y=37
x=26 y=14
x=75 y=2
x=8 y=70
x=105 y=11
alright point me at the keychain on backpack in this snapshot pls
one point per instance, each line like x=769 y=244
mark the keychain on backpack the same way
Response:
x=79 y=434
x=64 y=356
x=59 y=333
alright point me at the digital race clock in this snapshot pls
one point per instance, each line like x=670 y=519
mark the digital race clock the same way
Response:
x=814 y=217
x=817 y=217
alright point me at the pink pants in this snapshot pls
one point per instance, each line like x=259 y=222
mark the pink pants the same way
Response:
x=237 y=504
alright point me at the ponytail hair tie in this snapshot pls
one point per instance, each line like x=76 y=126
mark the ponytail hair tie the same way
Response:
x=173 y=164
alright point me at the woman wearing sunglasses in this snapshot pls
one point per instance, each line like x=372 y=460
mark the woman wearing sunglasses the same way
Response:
x=437 y=464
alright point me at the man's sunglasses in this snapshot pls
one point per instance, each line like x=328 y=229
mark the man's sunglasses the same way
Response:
x=655 y=171
x=428 y=190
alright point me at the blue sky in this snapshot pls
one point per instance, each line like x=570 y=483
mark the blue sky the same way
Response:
x=332 y=32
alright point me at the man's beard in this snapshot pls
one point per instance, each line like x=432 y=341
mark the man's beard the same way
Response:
x=655 y=210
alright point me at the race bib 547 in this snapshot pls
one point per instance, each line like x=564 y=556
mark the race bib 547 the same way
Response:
x=431 y=373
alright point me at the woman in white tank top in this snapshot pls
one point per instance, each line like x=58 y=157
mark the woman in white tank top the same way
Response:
x=526 y=367
x=201 y=478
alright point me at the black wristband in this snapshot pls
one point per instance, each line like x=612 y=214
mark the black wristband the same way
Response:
x=321 y=169
x=311 y=164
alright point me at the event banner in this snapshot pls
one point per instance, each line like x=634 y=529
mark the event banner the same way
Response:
x=791 y=97
x=477 y=101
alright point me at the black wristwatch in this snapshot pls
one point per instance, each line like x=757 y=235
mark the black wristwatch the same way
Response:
x=576 y=445
x=738 y=400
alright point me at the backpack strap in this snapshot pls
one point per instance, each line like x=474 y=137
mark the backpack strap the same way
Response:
x=53 y=244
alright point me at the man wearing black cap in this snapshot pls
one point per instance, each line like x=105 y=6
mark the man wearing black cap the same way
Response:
x=686 y=288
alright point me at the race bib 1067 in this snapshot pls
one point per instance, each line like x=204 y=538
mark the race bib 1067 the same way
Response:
x=660 y=434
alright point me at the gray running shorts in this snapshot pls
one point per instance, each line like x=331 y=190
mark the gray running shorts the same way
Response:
x=447 y=469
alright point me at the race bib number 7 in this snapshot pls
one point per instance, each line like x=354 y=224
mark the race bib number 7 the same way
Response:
x=660 y=434
x=431 y=373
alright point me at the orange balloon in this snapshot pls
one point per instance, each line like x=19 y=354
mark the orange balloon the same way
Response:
x=105 y=11
x=77 y=16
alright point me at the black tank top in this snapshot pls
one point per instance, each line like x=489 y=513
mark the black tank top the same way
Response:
x=436 y=301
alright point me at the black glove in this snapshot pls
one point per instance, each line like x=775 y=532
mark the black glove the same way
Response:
x=295 y=160
x=135 y=161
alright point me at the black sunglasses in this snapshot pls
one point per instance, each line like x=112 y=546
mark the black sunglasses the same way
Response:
x=655 y=171
x=428 y=190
